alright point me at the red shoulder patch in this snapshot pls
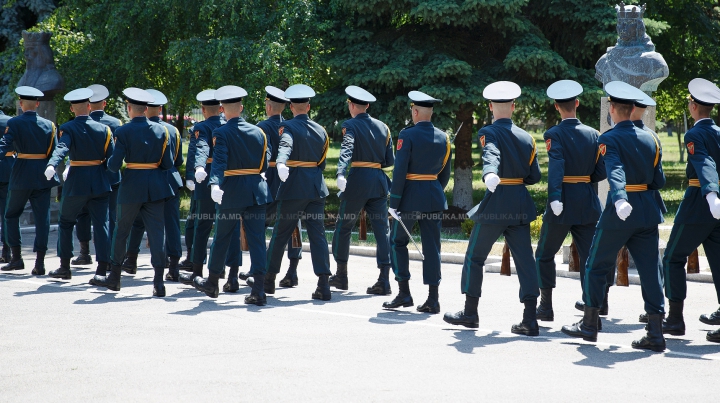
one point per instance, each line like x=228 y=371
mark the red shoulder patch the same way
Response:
x=197 y=134
x=344 y=130
x=282 y=129
x=691 y=148
x=482 y=141
x=548 y=144
x=399 y=144
x=602 y=149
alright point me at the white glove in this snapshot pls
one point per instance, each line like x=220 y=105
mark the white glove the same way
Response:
x=342 y=183
x=262 y=175
x=714 y=202
x=190 y=185
x=491 y=181
x=623 y=209
x=200 y=174
x=394 y=213
x=556 y=207
x=66 y=172
x=49 y=172
x=216 y=193
x=283 y=171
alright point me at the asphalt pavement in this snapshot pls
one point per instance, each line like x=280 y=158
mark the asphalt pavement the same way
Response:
x=67 y=341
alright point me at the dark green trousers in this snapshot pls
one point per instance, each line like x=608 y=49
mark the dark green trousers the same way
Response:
x=684 y=239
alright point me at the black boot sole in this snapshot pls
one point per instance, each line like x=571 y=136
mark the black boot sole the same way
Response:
x=579 y=336
x=710 y=322
x=340 y=284
x=61 y=276
x=387 y=305
x=288 y=282
x=108 y=286
x=81 y=262
x=160 y=293
x=470 y=325
x=253 y=300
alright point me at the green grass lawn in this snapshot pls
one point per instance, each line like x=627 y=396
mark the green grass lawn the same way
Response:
x=672 y=193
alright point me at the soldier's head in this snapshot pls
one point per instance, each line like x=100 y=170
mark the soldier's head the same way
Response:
x=155 y=107
x=502 y=95
x=137 y=101
x=79 y=101
x=704 y=95
x=638 y=112
x=567 y=109
x=209 y=105
x=565 y=93
x=357 y=108
x=275 y=101
x=80 y=108
x=29 y=98
x=620 y=112
x=421 y=107
x=98 y=100
x=359 y=100
x=231 y=97
x=299 y=96
x=622 y=98
x=421 y=113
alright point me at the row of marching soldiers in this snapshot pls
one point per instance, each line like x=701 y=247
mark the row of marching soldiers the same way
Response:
x=273 y=173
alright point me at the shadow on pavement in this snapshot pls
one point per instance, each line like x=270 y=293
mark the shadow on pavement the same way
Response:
x=209 y=305
x=607 y=358
x=397 y=317
x=468 y=340
x=110 y=296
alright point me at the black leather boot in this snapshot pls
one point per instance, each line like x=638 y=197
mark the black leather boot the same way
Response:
x=84 y=255
x=382 y=286
x=232 y=284
x=587 y=327
x=158 y=285
x=322 y=292
x=432 y=305
x=529 y=325
x=403 y=299
x=580 y=305
x=604 y=308
x=468 y=317
x=244 y=275
x=111 y=281
x=711 y=319
x=129 y=266
x=64 y=271
x=209 y=285
x=257 y=294
x=713 y=336
x=102 y=268
x=16 y=261
x=674 y=324
x=269 y=284
x=340 y=279
x=654 y=339
x=187 y=278
x=291 y=278
x=545 y=309
x=39 y=269
x=186 y=264
x=643 y=318
x=173 y=273
x=5 y=258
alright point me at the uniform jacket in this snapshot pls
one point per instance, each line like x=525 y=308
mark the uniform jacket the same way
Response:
x=365 y=139
x=175 y=145
x=655 y=193
x=573 y=151
x=301 y=139
x=703 y=145
x=421 y=149
x=29 y=134
x=240 y=145
x=113 y=123
x=142 y=141
x=7 y=163
x=632 y=157
x=509 y=152
x=203 y=154
x=84 y=139
x=271 y=127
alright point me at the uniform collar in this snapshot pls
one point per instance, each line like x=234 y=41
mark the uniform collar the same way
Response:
x=235 y=120
x=275 y=118
x=304 y=116
x=155 y=119
x=639 y=123
x=625 y=123
x=216 y=117
x=82 y=117
x=30 y=113
x=424 y=123
x=139 y=119
x=363 y=115
x=705 y=121
x=99 y=113
x=570 y=121
x=503 y=122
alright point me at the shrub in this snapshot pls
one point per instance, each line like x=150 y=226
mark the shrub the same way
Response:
x=467 y=227
x=535 y=227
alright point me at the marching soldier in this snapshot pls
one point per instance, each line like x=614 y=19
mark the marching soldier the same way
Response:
x=6 y=166
x=574 y=165
x=89 y=144
x=33 y=138
x=143 y=145
x=698 y=218
x=509 y=164
x=422 y=170
x=633 y=160
x=300 y=162
x=82 y=228
x=241 y=155
x=204 y=204
x=367 y=147
x=275 y=102
x=173 y=248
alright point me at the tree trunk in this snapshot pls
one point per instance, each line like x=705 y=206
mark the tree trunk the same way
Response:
x=180 y=121
x=463 y=189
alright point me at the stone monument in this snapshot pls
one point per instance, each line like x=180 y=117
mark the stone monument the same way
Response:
x=632 y=60
x=40 y=72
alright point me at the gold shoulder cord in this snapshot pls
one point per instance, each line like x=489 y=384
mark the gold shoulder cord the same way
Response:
x=167 y=137
x=264 y=154
x=325 y=150
x=447 y=153
x=107 y=140
x=534 y=151
x=52 y=140
x=177 y=143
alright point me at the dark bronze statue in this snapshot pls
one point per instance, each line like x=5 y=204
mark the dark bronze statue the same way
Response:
x=40 y=69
